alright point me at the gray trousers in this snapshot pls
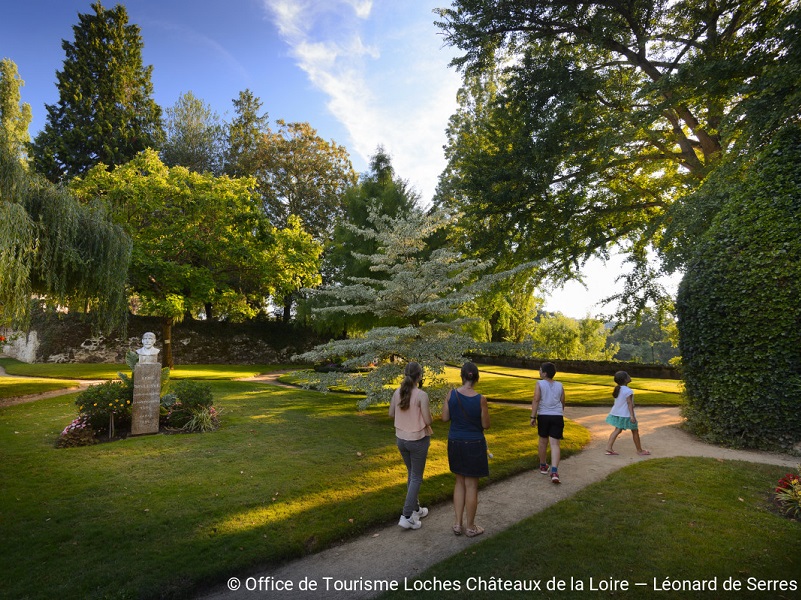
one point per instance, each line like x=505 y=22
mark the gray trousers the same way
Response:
x=414 y=455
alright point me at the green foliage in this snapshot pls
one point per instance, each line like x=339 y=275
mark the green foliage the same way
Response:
x=301 y=174
x=738 y=309
x=100 y=403
x=193 y=393
x=415 y=292
x=105 y=112
x=195 y=136
x=15 y=116
x=201 y=243
x=581 y=123
x=69 y=254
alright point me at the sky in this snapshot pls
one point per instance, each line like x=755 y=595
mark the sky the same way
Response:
x=363 y=73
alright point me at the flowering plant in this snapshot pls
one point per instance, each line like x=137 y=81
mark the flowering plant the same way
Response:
x=788 y=494
x=77 y=433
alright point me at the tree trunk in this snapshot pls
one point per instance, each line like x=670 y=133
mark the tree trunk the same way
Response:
x=287 y=308
x=208 y=308
x=166 y=340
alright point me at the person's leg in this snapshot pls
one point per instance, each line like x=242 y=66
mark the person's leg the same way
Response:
x=471 y=500
x=407 y=460
x=418 y=453
x=635 y=434
x=458 y=500
x=612 y=438
x=556 y=453
x=543 y=451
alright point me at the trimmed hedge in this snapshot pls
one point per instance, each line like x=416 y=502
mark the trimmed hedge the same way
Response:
x=739 y=309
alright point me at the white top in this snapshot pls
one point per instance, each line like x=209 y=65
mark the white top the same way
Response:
x=550 y=398
x=621 y=407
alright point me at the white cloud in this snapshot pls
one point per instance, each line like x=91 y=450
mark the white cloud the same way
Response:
x=394 y=89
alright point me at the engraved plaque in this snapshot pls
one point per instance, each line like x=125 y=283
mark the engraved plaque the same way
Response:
x=146 y=398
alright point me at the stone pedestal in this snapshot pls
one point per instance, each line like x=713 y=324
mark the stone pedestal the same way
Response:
x=146 y=398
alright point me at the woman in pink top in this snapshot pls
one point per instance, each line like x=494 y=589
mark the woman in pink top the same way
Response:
x=410 y=409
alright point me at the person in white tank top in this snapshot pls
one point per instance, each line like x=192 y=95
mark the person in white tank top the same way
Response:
x=547 y=414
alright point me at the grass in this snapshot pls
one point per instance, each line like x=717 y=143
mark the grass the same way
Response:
x=682 y=519
x=11 y=387
x=509 y=384
x=289 y=472
x=109 y=370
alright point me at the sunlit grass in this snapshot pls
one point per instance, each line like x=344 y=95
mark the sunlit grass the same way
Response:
x=689 y=519
x=111 y=370
x=508 y=384
x=288 y=472
x=11 y=387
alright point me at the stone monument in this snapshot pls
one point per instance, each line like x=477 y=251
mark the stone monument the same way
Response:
x=147 y=388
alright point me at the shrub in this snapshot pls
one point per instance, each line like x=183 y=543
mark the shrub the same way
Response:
x=738 y=309
x=189 y=407
x=77 y=433
x=788 y=494
x=108 y=405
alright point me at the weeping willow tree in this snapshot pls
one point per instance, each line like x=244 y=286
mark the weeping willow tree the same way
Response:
x=52 y=246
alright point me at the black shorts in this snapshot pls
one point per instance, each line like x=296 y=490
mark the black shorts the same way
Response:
x=551 y=426
x=468 y=457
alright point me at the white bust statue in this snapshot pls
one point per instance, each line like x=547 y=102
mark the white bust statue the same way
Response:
x=148 y=353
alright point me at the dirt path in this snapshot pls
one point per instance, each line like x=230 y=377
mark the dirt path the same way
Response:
x=376 y=556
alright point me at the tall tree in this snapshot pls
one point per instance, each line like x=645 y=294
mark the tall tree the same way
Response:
x=582 y=122
x=105 y=112
x=246 y=134
x=415 y=293
x=15 y=115
x=50 y=245
x=301 y=174
x=201 y=243
x=195 y=136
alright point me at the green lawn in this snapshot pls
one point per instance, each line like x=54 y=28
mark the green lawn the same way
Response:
x=11 y=387
x=109 y=371
x=508 y=384
x=682 y=519
x=289 y=472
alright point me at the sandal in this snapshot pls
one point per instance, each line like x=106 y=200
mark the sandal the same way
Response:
x=457 y=530
x=474 y=531
x=611 y=453
x=644 y=453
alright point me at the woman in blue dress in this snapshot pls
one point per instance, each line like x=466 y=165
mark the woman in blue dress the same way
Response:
x=467 y=448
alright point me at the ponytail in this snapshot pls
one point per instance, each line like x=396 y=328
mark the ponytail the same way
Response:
x=621 y=378
x=412 y=374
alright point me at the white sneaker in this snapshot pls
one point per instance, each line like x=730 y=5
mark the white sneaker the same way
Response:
x=420 y=513
x=410 y=523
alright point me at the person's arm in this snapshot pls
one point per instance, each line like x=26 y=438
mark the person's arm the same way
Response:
x=392 y=405
x=425 y=408
x=446 y=411
x=485 y=420
x=535 y=404
x=630 y=402
x=562 y=399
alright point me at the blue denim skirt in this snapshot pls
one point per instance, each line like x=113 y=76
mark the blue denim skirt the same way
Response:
x=468 y=457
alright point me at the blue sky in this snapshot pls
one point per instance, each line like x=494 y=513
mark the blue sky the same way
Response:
x=363 y=73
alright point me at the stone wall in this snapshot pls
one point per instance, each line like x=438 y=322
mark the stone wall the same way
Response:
x=69 y=338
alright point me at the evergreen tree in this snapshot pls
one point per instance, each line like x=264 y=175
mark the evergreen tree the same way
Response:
x=195 y=136
x=416 y=294
x=246 y=135
x=105 y=112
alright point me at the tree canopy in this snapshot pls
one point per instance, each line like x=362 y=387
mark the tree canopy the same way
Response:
x=201 y=243
x=105 y=111
x=195 y=136
x=581 y=123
